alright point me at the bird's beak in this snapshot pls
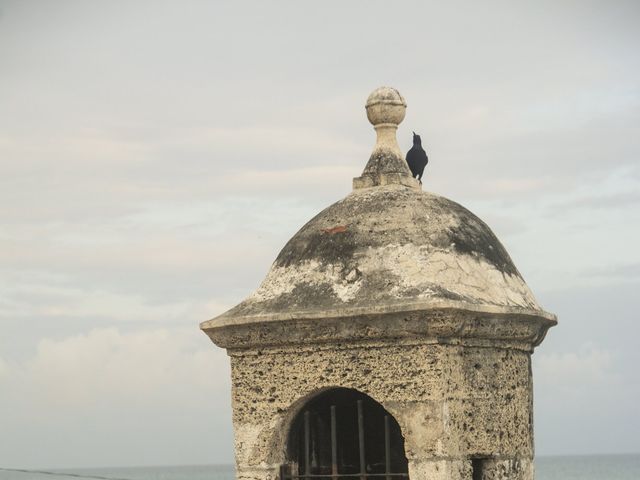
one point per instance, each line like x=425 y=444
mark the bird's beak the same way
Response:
x=413 y=133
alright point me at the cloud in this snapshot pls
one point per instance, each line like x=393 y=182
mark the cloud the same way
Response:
x=598 y=202
x=576 y=370
x=292 y=144
x=117 y=385
x=625 y=272
x=584 y=399
x=107 y=365
x=152 y=164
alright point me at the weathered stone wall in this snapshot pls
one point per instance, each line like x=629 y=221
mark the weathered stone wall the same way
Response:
x=453 y=402
x=405 y=296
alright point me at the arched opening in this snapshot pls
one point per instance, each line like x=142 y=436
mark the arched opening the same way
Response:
x=342 y=433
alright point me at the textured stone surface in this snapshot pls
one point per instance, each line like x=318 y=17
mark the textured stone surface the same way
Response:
x=385 y=110
x=387 y=246
x=406 y=297
x=452 y=402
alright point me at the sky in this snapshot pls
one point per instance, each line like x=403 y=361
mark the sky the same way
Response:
x=155 y=156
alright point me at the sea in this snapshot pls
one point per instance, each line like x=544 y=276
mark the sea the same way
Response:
x=591 y=467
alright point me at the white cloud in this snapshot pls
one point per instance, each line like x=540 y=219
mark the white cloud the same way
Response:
x=575 y=371
x=49 y=297
x=285 y=139
x=113 y=397
x=138 y=171
x=585 y=398
x=162 y=366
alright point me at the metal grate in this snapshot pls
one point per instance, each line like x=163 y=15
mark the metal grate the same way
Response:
x=290 y=471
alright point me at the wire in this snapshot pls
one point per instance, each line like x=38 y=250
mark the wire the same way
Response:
x=60 y=474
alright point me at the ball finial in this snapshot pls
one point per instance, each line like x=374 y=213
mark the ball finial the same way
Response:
x=385 y=110
x=385 y=105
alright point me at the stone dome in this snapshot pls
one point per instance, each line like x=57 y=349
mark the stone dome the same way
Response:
x=388 y=248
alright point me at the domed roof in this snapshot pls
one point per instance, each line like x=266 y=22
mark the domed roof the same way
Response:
x=388 y=247
x=392 y=247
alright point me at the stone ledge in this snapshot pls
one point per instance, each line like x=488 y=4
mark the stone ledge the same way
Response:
x=381 y=179
x=447 y=326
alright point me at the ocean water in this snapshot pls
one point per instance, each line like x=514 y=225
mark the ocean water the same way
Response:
x=592 y=467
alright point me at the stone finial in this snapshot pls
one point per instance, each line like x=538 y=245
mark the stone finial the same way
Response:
x=385 y=110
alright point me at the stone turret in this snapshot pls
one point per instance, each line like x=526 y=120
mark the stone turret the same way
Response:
x=391 y=337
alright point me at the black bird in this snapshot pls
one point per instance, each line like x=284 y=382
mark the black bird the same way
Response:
x=417 y=158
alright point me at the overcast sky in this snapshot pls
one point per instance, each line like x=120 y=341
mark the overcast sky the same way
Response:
x=155 y=156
